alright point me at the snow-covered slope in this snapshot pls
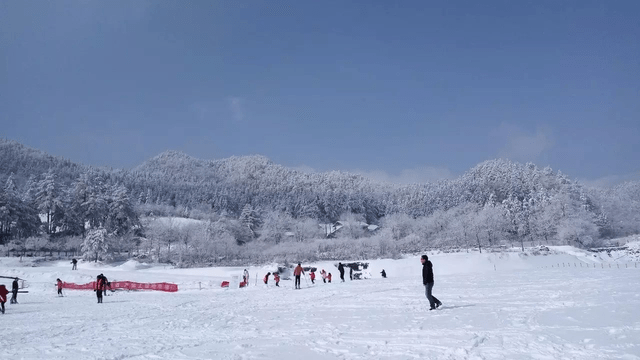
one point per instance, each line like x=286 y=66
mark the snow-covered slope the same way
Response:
x=496 y=306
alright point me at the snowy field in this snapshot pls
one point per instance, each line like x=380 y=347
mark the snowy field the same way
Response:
x=524 y=309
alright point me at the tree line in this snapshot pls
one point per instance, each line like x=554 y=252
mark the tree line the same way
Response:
x=249 y=207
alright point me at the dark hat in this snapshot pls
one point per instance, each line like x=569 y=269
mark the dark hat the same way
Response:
x=425 y=257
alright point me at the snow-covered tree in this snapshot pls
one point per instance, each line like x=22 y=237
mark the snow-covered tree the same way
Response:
x=49 y=201
x=122 y=218
x=250 y=217
x=95 y=245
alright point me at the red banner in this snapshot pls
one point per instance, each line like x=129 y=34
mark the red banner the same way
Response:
x=125 y=285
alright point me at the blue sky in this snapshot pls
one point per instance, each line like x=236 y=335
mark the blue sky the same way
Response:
x=403 y=91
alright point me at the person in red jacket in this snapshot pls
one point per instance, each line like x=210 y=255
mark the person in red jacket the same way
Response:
x=3 y=297
x=99 y=287
x=297 y=272
x=276 y=278
x=266 y=278
x=59 y=283
x=329 y=277
x=312 y=276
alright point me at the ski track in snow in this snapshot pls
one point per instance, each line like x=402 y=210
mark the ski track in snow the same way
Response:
x=523 y=314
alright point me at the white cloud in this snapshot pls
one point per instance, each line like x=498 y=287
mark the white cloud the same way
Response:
x=304 y=169
x=610 y=181
x=235 y=104
x=521 y=146
x=419 y=174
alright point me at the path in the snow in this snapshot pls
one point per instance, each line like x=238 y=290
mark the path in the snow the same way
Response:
x=533 y=314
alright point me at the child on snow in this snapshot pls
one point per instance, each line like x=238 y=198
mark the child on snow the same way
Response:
x=266 y=278
x=3 y=297
x=59 y=283
x=324 y=276
x=276 y=278
x=312 y=275
x=329 y=278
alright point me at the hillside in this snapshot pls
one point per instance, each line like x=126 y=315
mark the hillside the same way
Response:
x=247 y=199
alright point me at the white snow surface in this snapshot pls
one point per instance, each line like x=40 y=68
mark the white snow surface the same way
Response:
x=496 y=306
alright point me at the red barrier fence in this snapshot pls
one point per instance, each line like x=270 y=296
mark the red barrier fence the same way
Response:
x=125 y=285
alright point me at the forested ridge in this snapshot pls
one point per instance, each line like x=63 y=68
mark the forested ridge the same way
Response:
x=251 y=207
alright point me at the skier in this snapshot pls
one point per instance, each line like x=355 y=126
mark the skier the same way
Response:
x=3 y=297
x=245 y=276
x=99 y=287
x=266 y=278
x=297 y=272
x=341 y=269
x=329 y=278
x=384 y=274
x=59 y=283
x=351 y=273
x=276 y=278
x=312 y=276
x=427 y=280
x=324 y=276
x=14 y=291
x=75 y=264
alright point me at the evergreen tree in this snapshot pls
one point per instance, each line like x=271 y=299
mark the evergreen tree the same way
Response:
x=250 y=217
x=49 y=202
x=122 y=217
x=95 y=245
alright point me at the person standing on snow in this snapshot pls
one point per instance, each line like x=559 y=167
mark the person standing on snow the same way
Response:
x=384 y=274
x=351 y=273
x=297 y=272
x=276 y=278
x=427 y=280
x=312 y=276
x=324 y=276
x=329 y=278
x=14 y=291
x=266 y=278
x=99 y=287
x=75 y=264
x=106 y=283
x=245 y=276
x=3 y=297
x=341 y=269
x=59 y=283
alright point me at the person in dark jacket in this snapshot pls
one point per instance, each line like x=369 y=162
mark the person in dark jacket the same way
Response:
x=341 y=269
x=106 y=284
x=350 y=273
x=384 y=273
x=427 y=280
x=14 y=291
x=75 y=264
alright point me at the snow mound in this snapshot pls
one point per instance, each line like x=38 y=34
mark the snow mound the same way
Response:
x=133 y=265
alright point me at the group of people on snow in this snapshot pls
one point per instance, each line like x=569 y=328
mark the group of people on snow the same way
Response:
x=102 y=283
x=427 y=278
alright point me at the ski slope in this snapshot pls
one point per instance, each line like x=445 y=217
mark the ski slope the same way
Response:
x=496 y=306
